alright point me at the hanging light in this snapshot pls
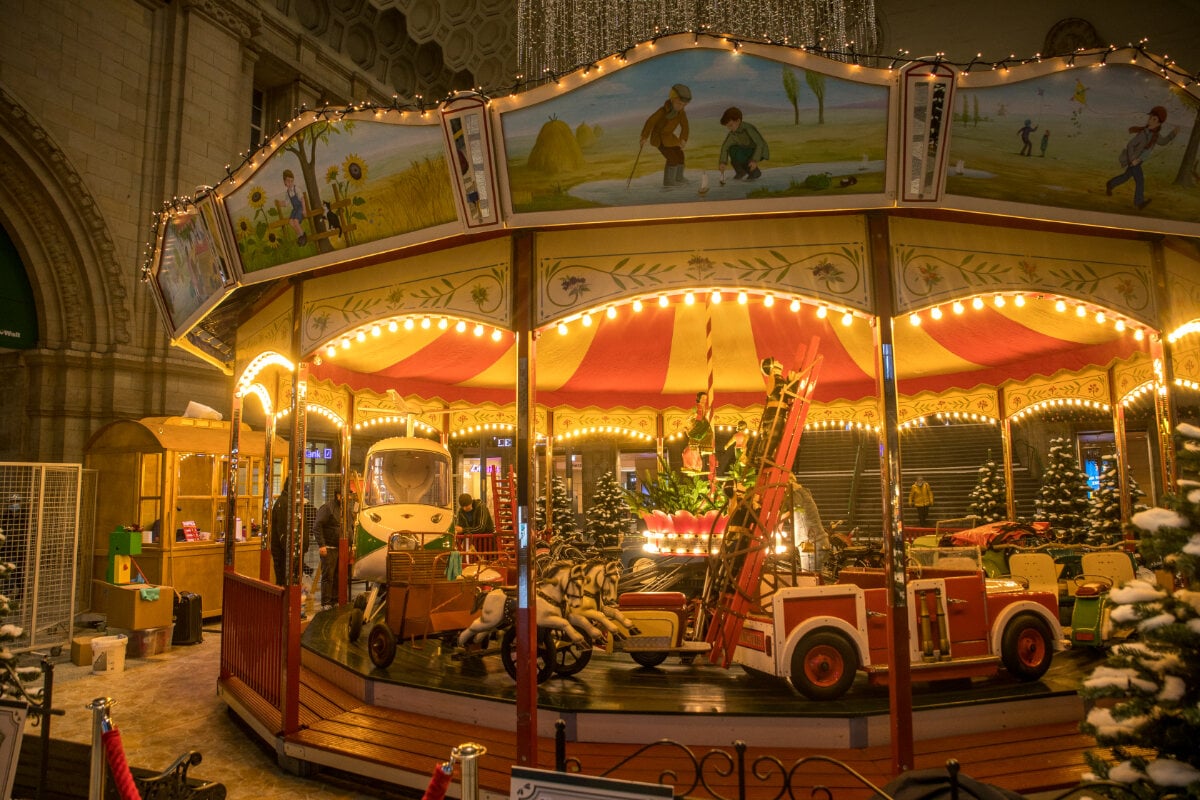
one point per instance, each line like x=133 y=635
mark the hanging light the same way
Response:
x=936 y=312
x=914 y=319
x=958 y=307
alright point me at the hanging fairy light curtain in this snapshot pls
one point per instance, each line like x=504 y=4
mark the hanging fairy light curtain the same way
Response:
x=556 y=36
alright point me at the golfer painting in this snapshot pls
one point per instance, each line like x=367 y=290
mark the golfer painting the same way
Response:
x=667 y=129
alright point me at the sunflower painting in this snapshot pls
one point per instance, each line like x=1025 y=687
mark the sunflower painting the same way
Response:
x=336 y=184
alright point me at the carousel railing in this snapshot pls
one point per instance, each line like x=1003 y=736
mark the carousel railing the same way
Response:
x=669 y=763
x=251 y=651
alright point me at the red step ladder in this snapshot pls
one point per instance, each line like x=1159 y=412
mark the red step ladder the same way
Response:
x=735 y=573
x=504 y=513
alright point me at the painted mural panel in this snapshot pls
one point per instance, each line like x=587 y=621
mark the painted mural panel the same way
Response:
x=192 y=271
x=697 y=125
x=1117 y=140
x=336 y=184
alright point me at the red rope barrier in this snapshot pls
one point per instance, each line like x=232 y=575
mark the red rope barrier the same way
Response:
x=114 y=751
x=439 y=782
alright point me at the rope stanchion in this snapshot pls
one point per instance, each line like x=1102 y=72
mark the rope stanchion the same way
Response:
x=436 y=790
x=114 y=751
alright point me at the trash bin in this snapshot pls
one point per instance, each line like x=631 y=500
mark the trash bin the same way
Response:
x=108 y=653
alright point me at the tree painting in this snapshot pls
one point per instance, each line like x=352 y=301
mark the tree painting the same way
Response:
x=792 y=89
x=816 y=82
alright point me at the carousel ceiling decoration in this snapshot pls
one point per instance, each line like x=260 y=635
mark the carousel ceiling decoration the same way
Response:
x=557 y=36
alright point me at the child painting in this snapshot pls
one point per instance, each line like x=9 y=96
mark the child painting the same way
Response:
x=667 y=129
x=297 y=203
x=743 y=148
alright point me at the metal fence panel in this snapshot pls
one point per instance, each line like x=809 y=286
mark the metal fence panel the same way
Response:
x=40 y=522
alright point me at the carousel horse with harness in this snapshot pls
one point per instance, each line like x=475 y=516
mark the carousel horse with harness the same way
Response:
x=592 y=595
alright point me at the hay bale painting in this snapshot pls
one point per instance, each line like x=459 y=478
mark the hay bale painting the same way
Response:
x=556 y=149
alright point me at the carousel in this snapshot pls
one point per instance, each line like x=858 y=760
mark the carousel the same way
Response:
x=640 y=251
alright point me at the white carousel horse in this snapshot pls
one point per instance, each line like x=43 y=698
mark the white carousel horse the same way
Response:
x=593 y=596
x=499 y=609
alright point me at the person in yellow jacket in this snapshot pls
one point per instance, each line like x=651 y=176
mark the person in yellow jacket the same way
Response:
x=920 y=496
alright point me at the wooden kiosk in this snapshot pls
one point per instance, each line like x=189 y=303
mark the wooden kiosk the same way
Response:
x=172 y=470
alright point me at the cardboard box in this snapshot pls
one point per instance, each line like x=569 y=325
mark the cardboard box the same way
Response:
x=125 y=607
x=81 y=649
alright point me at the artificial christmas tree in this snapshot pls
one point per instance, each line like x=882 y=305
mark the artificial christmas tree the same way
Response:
x=987 y=499
x=1104 y=510
x=1147 y=696
x=609 y=517
x=1063 y=499
x=563 y=528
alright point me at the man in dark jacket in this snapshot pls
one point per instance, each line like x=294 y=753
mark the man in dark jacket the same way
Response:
x=329 y=534
x=280 y=512
x=474 y=523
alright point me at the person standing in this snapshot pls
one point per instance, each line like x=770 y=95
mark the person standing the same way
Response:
x=667 y=129
x=1026 y=143
x=920 y=496
x=280 y=512
x=329 y=534
x=475 y=521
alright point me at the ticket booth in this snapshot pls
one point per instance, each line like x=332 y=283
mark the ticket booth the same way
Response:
x=168 y=476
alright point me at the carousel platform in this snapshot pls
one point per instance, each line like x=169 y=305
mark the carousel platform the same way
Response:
x=696 y=704
x=395 y=725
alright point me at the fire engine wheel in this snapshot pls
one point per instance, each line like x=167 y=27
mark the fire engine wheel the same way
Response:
x=1027 y=648
x=569 y=658
x=649 y=659
x=354 y=624
x=824 y=665
x=545 y=654
x=381 y=645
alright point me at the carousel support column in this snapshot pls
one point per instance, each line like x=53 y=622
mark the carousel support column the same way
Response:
x=295 y=550
x=343 y=563
x=1121 y=444
x=900 y=679
x=268 y=494
x=548 y=472
x=1010 y=496
x=523 y=266
x=290 y=695
x=1164 y=412
x=231 y=478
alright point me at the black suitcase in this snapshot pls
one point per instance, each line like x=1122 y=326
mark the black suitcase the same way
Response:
x=189 y=628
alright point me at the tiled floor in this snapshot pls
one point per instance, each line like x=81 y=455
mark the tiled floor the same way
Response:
x=167 y=704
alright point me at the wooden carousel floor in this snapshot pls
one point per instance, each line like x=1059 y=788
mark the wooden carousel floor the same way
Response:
x=396 y=724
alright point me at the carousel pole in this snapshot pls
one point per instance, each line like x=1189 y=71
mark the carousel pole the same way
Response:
x=231 y=478
x=900 y=702
x=268 y=493
x=343 y=563
x=1120 y=445
x=1010 y=496
x=709 y=392
x=1160 y=351
x=527 y=749
x=290 y=695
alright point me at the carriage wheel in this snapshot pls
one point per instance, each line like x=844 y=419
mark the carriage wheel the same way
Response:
x=648 y=659
x=545 y=650
x=569 y=658
x=823 y=665
x=381 y=645
x=1027 y=647
x=354 y=625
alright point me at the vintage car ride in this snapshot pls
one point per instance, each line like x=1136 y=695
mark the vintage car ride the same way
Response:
x=962 y=625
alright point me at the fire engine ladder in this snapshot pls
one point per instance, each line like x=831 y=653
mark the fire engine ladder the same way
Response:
x=504 y=513
x=735 y=574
